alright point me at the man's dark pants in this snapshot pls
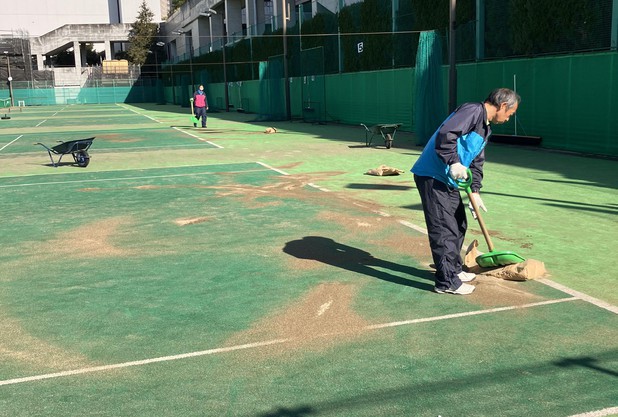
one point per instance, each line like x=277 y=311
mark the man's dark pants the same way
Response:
x=201 y=112
x=445 y=216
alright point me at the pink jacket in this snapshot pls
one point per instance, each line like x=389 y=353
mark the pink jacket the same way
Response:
x=200 y=99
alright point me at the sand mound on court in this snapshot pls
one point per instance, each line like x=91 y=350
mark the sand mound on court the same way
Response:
x=18 y=345
x=321 y=318
x=523 y=271
x=91 y=240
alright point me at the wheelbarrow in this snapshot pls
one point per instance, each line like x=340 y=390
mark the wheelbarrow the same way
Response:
x=78 y=148
x=386 y=130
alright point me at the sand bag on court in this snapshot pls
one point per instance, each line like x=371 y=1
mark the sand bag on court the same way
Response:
x=384 y=170
x=523 y=271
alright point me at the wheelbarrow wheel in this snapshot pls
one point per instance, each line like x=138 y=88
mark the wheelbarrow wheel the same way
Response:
x=82 y=158
x=388 y=140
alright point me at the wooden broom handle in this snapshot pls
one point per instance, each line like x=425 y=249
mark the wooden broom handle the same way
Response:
x=490 y=245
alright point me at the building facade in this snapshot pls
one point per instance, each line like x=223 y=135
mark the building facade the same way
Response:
x=38 y=17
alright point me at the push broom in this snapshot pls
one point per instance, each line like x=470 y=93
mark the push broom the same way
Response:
x=493 y=258
x=193 y=118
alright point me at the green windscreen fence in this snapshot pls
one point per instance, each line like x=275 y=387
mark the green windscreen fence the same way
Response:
x=372 y=97
x=430 y=108
x=272 y=94
x=313 y=86
x=556 y=92
x=570 y=101
x=86 y=95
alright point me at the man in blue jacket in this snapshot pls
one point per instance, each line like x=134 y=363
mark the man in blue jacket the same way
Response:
x=457 y=145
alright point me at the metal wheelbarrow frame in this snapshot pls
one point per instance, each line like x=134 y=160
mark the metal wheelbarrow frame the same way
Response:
x=385 y=129
x=78 y=148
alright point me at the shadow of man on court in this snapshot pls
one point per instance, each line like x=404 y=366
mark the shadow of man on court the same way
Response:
x=302 y=411
x=329 y=252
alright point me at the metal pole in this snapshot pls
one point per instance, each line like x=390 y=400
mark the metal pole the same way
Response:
x=226 y=93
x=515 y=90
x=173 y=84
x=394 y=5
x=614 y=35
x=339 y=55
x=288 y=109
x=452 y=75
x=9 y=79
x=191 y=67
x=480 y=30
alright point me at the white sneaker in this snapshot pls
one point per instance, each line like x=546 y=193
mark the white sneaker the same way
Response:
x=466 y=276
x=464 y=289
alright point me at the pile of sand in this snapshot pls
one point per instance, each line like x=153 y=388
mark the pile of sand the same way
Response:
x=523 y=271
x=384 y=170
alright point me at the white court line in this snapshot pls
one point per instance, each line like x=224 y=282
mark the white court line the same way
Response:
x=326 y=190
x=469 y=313
x=567 y=290
x=262 y=344
x=127 y=178
x=59 y=111
x=141 y=362
x=136 y=112
x=272 y=168
x=154 y=168
x=275 y=341
x=580 y=295
x=310 y=184
x=598 y=413
x=158 y=121
x=14 y=140
x=197 y=137
x=41 y=123
x=413 y=226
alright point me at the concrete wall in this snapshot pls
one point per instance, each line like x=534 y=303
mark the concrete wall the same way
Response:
x=130 y=8
x=38 y=17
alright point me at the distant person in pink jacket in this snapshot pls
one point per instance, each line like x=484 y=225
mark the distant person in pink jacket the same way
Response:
x=200 y=104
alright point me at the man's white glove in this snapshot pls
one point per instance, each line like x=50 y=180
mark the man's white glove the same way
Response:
x=479 y=204
x=458 y=172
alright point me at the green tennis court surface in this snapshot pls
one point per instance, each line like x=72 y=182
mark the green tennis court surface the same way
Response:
x=104 y=141
x=227 y=288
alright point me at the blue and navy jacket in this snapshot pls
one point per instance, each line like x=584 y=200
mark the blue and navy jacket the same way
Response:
x=461 y=138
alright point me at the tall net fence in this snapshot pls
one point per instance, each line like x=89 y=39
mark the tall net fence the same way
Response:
x=372 y=35
x=16 y=59
x=529 y=28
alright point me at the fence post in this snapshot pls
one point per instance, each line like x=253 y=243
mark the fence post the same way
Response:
x=614 y=42
x=480 y=30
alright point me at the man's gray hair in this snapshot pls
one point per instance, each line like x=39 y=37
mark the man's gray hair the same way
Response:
x=503 y=95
